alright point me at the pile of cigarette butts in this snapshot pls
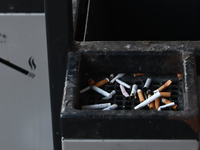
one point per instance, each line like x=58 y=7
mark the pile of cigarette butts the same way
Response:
x=145 y=95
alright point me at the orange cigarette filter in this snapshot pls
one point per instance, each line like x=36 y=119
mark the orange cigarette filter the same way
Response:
x=138 y=74
x=165 y=94
x=164 y=86
x=91 y=82
x=157 y=103
x=165 y=101
x=179 y=75
x=140 y=95
x=102 y=82
x=152 y=104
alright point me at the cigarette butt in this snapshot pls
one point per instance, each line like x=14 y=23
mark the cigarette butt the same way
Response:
x=117 y=77
x=147 y=101
x=98 y=84
x=102 y=82
x=167 y=105
x=148 y=92
x=165 y=94
x=123 y=83
x=111 y=76
x=145 y=95
x=123 y=91
x=96 y=106
x=112 y=93
x=164 y=86
x=157 y=101
x=85 y=89
x=165 y=101
x=140 y=95
x=147 y=84
x=179 y=75
x=105 y=98
x=138 y=74
x=100 y=91
x=91 y=82
x=152 y=104
x=134 y=91
x=113 y=106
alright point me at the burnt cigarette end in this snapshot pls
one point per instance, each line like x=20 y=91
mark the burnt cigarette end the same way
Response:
x=179 y=75
x=91 y=82
x=111 y=76
x=148 y=92
x=134 y=91
x=133 y=96
x=151 y=108
x=138 y=74
x=147 y=84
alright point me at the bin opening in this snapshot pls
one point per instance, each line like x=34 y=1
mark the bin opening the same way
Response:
x=91 y=97
x=160 y=67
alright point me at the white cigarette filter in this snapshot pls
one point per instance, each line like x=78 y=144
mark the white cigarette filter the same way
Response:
x=110 y=96
x=100 y=91
x=112 y=93
x=123 y=83
x=105 y=98
x=85 y=89
x=114 y=106
x=117 y=77
x=134 y=91
x=147 y=83
x=167 y=105
x=147 y=101
x=96 y=106
x=123 y=91
x=165 y=101
x=111 y=76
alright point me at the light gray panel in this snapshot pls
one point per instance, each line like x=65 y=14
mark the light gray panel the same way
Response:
x=24 y=101
x=129 y=145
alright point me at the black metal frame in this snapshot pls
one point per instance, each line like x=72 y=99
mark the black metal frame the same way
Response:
x=22 y=6
x=59 y=39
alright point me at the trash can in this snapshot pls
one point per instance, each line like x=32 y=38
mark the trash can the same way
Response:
x=98 y=60
x=99 y=56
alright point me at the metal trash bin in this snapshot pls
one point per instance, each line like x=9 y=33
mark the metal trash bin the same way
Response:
x=159 y=60
x=92 y=59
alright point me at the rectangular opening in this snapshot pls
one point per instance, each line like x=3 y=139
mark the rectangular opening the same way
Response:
x=160 y=67
x=126 y=20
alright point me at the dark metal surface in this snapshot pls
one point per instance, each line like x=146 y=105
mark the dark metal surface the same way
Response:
x=59 y=39
x=22 y=6
x=126 y=20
